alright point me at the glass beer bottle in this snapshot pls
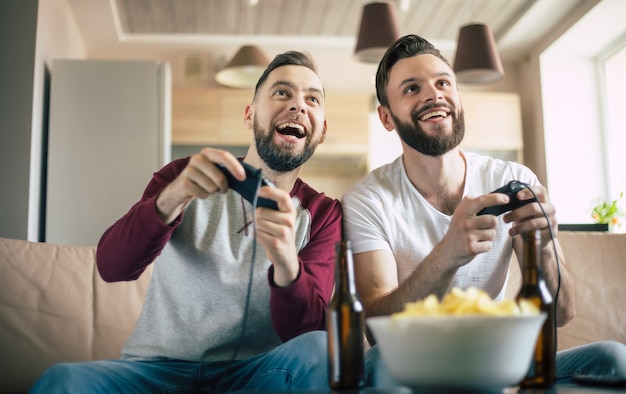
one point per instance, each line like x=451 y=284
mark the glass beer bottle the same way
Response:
x=345 y=326
x=542 y=371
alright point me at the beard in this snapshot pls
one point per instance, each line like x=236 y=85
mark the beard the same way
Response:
x=414 y=135
x=281 y=158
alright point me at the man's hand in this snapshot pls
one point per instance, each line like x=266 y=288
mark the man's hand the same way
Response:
x=277 y=233
x=469 y=234
x=199 y=179
x=555 y=269
x=530 y=217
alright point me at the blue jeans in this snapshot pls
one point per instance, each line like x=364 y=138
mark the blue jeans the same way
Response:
x=300 y=363
x=598 y=358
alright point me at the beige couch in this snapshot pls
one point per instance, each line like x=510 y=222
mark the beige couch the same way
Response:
x=598 y=262
x=54 y=307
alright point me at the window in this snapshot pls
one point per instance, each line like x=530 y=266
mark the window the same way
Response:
x=583 y=80
x=614 y=67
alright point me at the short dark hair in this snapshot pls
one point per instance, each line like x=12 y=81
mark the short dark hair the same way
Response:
x=404 y=47
x=289 y=58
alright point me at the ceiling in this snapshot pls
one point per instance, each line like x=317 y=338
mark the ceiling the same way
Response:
x=302 y=18
x=212 y=30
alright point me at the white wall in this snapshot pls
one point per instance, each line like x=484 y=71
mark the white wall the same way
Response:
x=33 y=33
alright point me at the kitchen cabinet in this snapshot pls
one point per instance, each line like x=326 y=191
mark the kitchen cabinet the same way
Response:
x=356 y=141
x=493 y=126
x=214 y=116
x=493 y=123
x=195 y=116
x=231 y=106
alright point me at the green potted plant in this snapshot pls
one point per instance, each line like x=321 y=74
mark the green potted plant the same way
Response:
x=608 y=212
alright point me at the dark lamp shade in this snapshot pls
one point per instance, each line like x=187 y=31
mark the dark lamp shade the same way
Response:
x=244 y=69
x=378 y=30
x=477 y=60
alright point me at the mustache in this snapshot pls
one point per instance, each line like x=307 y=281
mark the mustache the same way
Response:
x=415 y=114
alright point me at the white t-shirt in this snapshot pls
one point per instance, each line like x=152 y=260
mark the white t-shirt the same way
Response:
x=384 y=211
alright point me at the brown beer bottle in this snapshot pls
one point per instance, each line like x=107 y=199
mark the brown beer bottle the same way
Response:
x=542 y=371
x=345 y=325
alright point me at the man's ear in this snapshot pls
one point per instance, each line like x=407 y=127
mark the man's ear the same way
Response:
x=248 y=116
x=385 y=118
x=323 y=138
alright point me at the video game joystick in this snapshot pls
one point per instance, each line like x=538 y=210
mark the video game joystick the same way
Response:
x=248 y=188
x=510 y=190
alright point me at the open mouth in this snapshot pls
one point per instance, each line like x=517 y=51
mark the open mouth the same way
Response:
x=432 y=115
x=291 y=129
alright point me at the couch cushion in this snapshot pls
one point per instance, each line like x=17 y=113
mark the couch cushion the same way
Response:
x=598 y=263
x=54 y=307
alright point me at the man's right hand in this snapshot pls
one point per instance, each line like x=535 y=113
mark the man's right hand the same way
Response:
x=199 y=179
x=468 y=234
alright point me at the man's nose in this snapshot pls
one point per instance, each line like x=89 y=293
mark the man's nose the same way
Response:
x=298 y=105
x=431 y=93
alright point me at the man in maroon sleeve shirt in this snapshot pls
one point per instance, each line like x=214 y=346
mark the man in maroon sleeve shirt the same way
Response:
x=219 y=314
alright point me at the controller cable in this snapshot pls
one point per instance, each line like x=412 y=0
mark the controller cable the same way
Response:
x=556 y=255
x=250 y=280
x=255 y=199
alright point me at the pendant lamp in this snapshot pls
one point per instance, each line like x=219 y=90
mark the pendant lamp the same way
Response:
x=244 y=69
x=477 y=60
x=378 y=30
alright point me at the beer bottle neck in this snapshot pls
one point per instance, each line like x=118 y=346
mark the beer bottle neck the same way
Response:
x=531 y=271
x=344 y=269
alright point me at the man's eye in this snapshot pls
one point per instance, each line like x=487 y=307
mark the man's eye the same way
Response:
x=410 y=89
x=280 y=93
x=315 y=100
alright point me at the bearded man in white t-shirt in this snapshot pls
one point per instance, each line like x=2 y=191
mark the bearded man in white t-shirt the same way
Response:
x=413 y=223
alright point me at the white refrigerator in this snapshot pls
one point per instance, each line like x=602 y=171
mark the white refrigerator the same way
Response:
x=109 y=130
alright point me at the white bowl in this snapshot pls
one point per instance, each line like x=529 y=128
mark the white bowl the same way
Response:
x=469 y=351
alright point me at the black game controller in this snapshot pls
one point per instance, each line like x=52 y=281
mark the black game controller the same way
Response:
x=248 y=187
x=510 y=190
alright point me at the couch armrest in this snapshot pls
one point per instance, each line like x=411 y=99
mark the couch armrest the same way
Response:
x=54 y=307
x=598 y=263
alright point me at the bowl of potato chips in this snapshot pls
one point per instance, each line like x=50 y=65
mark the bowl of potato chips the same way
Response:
x=466 y=340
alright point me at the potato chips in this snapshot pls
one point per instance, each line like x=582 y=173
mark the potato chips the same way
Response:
x=473 y=301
